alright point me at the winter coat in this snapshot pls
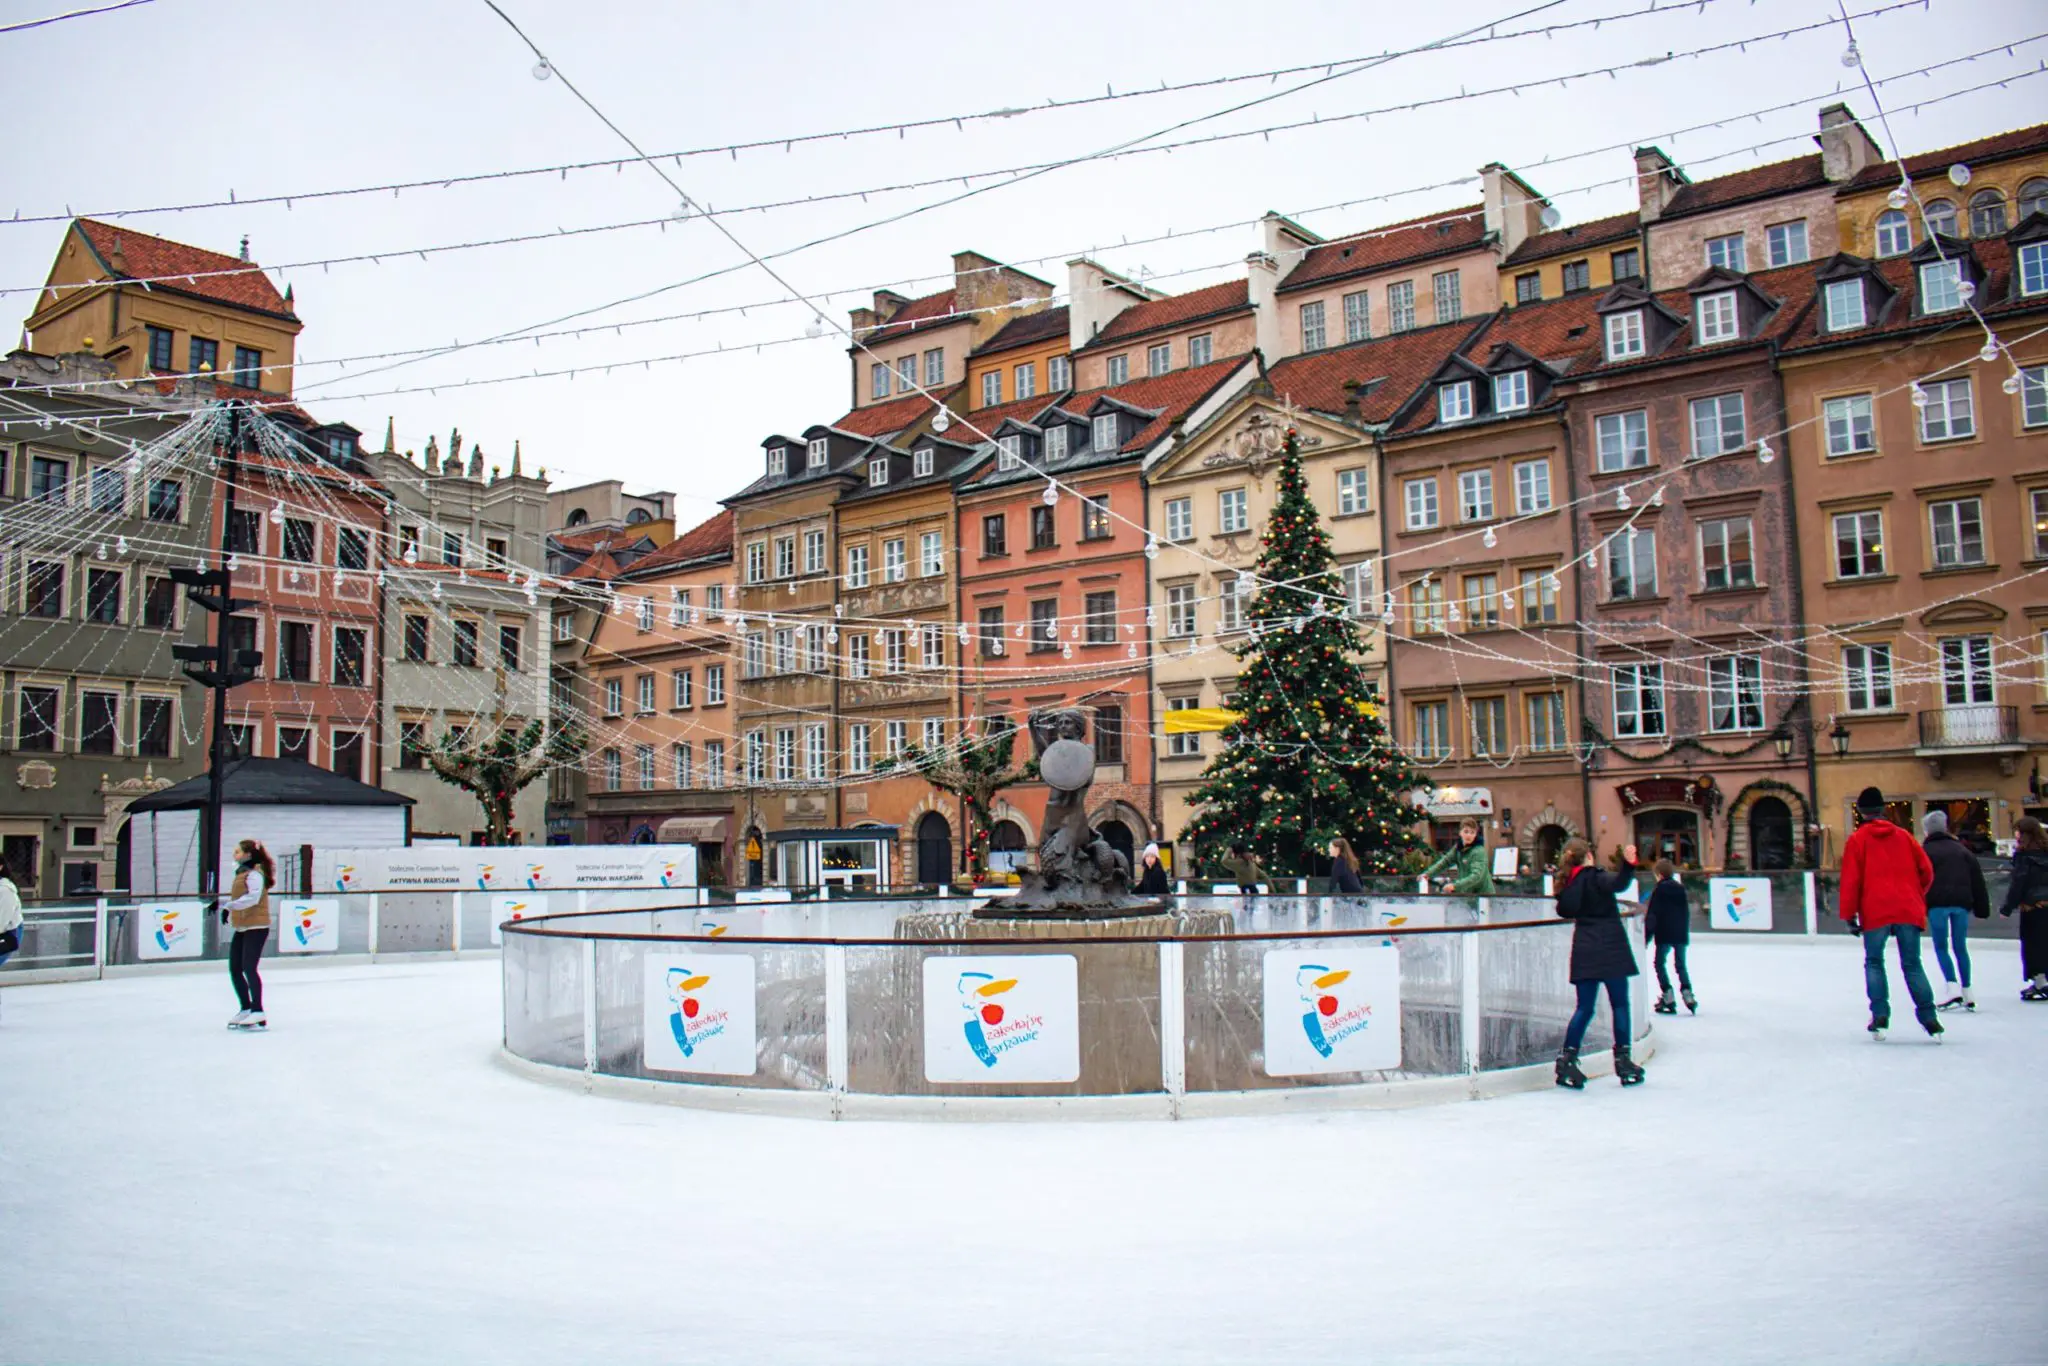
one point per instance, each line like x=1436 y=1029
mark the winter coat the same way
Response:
x=1958 y=877
x=1153 y=879
x=248 y=904
x=1245 y=872
x=2029 y=885
x=1668 y=917
x=1344 y=878
x=1600 y=948
x=1885 y=874
x=10 y=905
x=1471 y=868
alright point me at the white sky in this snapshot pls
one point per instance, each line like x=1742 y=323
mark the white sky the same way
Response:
x=188 y=99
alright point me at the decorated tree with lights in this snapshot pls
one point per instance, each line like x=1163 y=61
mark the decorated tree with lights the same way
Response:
x=496 y=763
x=1308 y=757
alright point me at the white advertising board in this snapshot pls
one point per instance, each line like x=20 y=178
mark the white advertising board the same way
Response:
x=1333 y=1010
x=307 y=926
x=698 y=1014
x=533 y=868
x=993 y=1021
x=169 y=929
x=1739 y=903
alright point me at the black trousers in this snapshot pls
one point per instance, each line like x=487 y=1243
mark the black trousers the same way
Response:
x=245 y=950
x=2034 y=942
x=1665 y=950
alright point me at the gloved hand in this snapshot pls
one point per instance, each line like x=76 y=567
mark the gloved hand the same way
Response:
x=1856 y=924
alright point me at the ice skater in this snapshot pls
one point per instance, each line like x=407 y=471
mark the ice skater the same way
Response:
x=1152 y=875
x=1601 y=957
x=1667 y=921
x=10 y=913
x=1344 y=878
x=1956 y=894
x=1885 y=875
x=2028 y=894
x=1469 y=860
x=247 y=910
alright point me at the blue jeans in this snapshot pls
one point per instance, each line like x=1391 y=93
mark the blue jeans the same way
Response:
x=1909 y=964
x=1946 y=924
x=1589 y=999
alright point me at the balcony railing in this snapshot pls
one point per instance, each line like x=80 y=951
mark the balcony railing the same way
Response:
x=1974 y=727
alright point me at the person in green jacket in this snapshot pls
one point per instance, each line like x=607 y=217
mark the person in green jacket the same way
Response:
x=1469 y=860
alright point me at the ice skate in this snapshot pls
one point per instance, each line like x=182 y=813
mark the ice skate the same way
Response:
x=256 y=1023
x=1568 y=1073
x=1626 y=1070
x=241 y=1017
x=1666 y=1003
x=1692 y=1002
x=1949 y=997
x=1878 y=1025
x=2036 y=990
x=1930 y=1022
x=1969 y=998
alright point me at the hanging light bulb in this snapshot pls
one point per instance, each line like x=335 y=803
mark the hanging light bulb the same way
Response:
x=437 y=592
x=101 y=553
x=543 y=69
x=681 y=212
x=380 y=578
x=792 y=587
x=1657 y=499
x=832 y=635
x=1453 y=614
x=1919 y=394
x=531 y=597
x=120 y=545
x=1989 y=353
x=839 y=610
x=1489 y=540
x=963 y=633
x=340 y=581
x=234 y=563
x=1130 y=652
x=1067 y=651
x=1966 y=290
x=2011 y=385
x=1852 y=55
x=816 y=327
x=739 y=624
x=1074 y=634
x=1898 y=197
x=412 y=554
x=1151 y=616
x=1051 y=496
x=996 y=648
x=1019 y=632
x=942 y=419
x=1623 y=501
x=1764 y=454
x=1151 y=548
x=276 y=513
x=1387 y=617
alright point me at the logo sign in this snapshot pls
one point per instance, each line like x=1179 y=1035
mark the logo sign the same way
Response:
x=345 y=879
x=1739 y=903
x=993 y=1021
x=1335 y=1010
x=698 y=1014
x=169 y=929
x=308 y=926
x=504 y=908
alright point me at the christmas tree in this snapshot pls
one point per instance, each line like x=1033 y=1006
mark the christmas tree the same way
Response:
x=1308 y=758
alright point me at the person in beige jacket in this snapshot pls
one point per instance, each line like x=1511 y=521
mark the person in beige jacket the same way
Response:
x=247 y=911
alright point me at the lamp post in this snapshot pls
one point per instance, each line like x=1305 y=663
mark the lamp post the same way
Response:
x=1839 y=737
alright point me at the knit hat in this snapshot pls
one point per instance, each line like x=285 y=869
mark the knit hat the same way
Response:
x=1934 y=823
x=1870 y=802
x=1151 y=851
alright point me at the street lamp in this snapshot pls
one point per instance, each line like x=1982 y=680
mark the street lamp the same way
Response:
x=1839 y=737
x=1781 y=740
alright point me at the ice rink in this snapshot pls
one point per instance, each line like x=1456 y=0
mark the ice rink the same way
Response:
x=363 y=1184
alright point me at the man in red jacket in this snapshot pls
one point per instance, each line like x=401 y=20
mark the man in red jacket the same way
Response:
x=1885 y=876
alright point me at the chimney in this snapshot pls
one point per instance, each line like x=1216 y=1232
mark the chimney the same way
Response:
x=1513 y=211
x=1285 y=240
x=1657 y=181
x=1262 y=287
x=1845 y=148
x=1352 y=411
x=888 y=303
x=1095 y=295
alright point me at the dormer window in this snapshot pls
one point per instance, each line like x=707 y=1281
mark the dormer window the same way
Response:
x=1511 y=391
x=1106 y=434
x=818 y=451
x=1941 y=286
x=1845 y=305
x=1625 y=334
x=878 y=472
x=2032 y=270
x=1716 y=317
x=1454 y=402
x=1056 y=441
x=1009 y=452
x=921 y=463
x=778 y=460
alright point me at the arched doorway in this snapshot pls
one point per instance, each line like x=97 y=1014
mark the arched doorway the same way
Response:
x=1005 y=846
x=1770 y=835
x=642 y=835
x=934 y=850
x=1550 y=842
x=1120 y=839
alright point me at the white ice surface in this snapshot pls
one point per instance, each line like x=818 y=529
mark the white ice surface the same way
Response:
x=363 y=1184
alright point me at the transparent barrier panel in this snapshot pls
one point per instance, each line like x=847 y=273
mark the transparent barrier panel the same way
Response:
x=54 y=937
x=1525 y=997
x=763 y=1010
x=544 y=999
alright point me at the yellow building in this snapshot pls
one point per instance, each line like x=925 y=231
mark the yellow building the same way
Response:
x=1572 y=260
x=153 y=306
x=2002 y=178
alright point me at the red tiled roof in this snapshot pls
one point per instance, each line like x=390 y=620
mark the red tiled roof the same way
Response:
x=1433 y=234
x=1028 y=330
x=985 y=419
x=1393 y=367
x=1993 y=148
x=1555 y=332
x=131 y=255
x=1994 y=300
x=702 y=541
x=1173 y=394
x=885 y=419
x=1575 y=237
x=1792 y=286
x=598 y=566
x=1175 y=310
x=1756 y=182
x=933 y=310
x=594 y=539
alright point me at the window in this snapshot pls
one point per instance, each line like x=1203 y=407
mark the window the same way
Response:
x=1426 y=607
x=1182 y=744
x=935 y=366
x=1420 y=496
x=99 y=722
x=565 y=627
x=1100 y=610
x=412 y=745
x=1357 y=316
x=1578 y=275
x=1229 y=605
x=989 y=620
x=895 y=564
x=1511 y=391
x=643 y=765
x=352 y=548
x=1623 y=440
x=1448 y=297
x=1966 y=671
x=1532 y=486
x=241 y=741
x=1626 y=264
x=1432 y=730
x=815 y=660
x=815 y=758
x=994 y=539
x=1632 y=564
x=878 y=472
x=895 y=650
x=1894 y=234
x=1454 y=401
x=932 y=654
x=643 y=613
x=931 y=554
x=1312 y=326
x=1785 y=243
x=1867 y=677
x=906 y=373
x=1201 y=349
x=1045 y=625
x=509 y=648
x=1717 y=317
x=351 y=656
x=36 y=720
x=299 y=540
x=1987 y=214
x=451 y=549
x=108 y=491
x=679 y=606
x=1638 y=700
x=1717 y=426
x=1158 y=360
x=2037 y=517
x=1055 y=441
x=1950 y=412
x=159 y=604
x=859 y=650
x=860 y=754
x=1625 y=334
x=203 y=355
x=1539 y=596
x=103 y=596
x=295 y=742
x=1850 y=428
x=1095 y=518
x=2033 y=268
x=1735 y=693
x=1118 y=370
x=1059 y=372
x=1358 y=588
x=1106 y=433
x=1401 y=306
x=679 y=765
x=778 y=460
x=1232 y=514
x=1180 y=519
x=1024 y=380
x=896 y=734
x=1475 y=496
x=785 y=754
x=49 y=481
x=783 y=642
x=682 y=688
x=248 y=367
x=1042 y=537
x=1529 y=287
x=159 y=348
x=714 y=685
x=1180 y=611
x=2033 y=199
x=991 y=388
x=714 y=597
x=1109 y=733
x=856 y=566
x=1354 y=492
x=615 y=695
x=878 y=380
x=753 y=655
x=1489 y=726
x=1958 y=532
x=1726 y=558
x=464 y=653
x=294 y=652
x=1845 y=305
x=757 y=756
x=43 y=590
x=1009 y=451
x=1859 y=544
x=1729 y=253
x=814 y=556
x=1482 y=601
x=1941 y=286
x=1546 y=721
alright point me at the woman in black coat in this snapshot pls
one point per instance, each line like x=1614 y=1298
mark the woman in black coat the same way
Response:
x=1344 y=877
x=1152 y=874
x=2028 y=894
x=1601 y=956
x=1667 y=922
